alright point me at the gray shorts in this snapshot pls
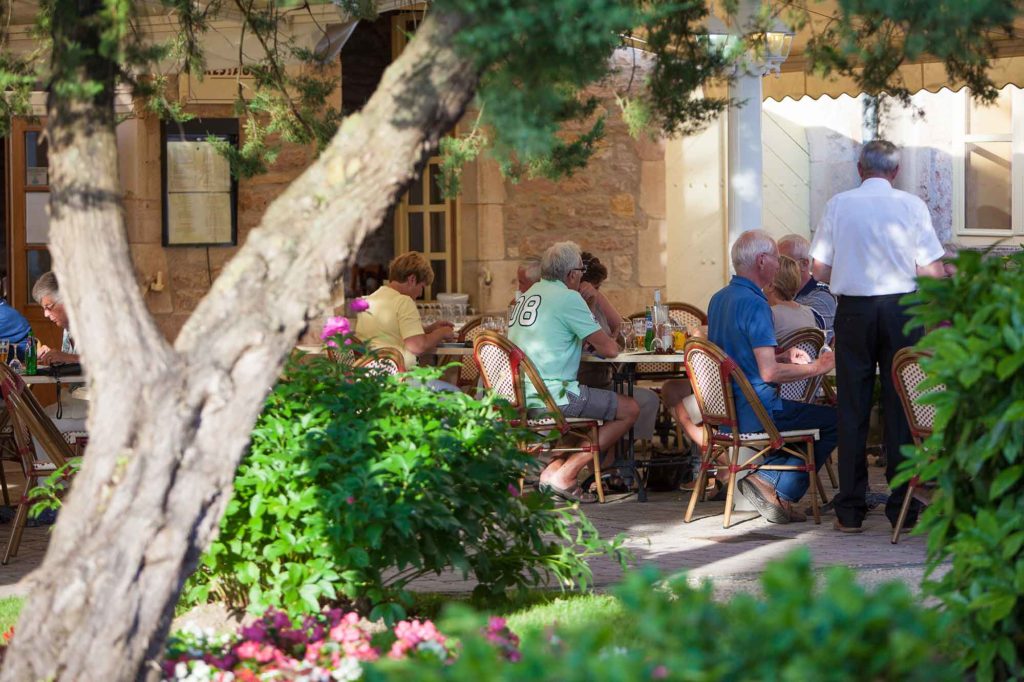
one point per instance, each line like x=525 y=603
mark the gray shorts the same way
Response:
x=592 y=403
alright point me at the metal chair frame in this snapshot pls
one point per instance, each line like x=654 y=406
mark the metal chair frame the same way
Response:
x=712 y=374
x=907 y=377
x=29 y=422
x=810 y=340
x=502 y=366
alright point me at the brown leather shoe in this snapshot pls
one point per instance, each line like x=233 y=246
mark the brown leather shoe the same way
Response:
x=761 y=494
x=794 y=515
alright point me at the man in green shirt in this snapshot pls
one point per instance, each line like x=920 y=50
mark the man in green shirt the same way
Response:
x=550 y=323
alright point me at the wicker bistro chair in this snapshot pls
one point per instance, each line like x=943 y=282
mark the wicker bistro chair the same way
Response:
x=908 y=377
x=710 y=371
x=469 y=373
x=29 y=423
x=502 y=366
x=382 y=360
x=810 y=340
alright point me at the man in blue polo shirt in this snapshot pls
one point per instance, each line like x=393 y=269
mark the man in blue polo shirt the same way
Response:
x=740 y=323
x=13 y=325
x=550 y=323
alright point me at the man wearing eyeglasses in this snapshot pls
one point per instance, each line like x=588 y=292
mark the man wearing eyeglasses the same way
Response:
x=550 y=323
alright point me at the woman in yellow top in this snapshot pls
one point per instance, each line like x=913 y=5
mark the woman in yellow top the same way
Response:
x=392 y=320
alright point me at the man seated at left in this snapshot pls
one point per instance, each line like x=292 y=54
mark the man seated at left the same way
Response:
x=550 y=323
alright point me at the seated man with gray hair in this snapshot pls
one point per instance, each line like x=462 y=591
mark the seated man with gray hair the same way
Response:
x=550 y=323
x=740 y=323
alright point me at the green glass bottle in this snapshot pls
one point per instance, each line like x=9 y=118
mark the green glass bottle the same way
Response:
x=30 y=356
x=649 y=327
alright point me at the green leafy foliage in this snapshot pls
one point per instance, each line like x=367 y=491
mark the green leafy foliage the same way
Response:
x=976 y=456
x=870 y=39
x=669 y=630
x=48 y=494
x=356 y=484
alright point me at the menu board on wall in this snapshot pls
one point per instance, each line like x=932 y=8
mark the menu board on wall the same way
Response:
x=199 y=192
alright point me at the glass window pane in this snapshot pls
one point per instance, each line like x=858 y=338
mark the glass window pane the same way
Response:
x=988 y=186
x=437 y=231
x=436 y=197
x=994 y=119
x=415 y=231
x=416 y=192
x=440 y=275
x=37 y=263
x=37 y=219
x=36 y=160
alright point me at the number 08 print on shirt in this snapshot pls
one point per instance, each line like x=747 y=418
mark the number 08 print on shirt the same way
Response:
x=525 y=312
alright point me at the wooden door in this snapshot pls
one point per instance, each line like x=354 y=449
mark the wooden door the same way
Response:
x=28 y=194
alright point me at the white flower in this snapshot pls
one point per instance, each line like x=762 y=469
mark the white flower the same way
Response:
x=348 y=670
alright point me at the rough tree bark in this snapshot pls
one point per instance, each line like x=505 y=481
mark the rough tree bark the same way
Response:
x=168 y=425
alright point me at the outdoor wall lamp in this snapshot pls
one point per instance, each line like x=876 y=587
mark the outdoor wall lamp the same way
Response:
x=775 y=44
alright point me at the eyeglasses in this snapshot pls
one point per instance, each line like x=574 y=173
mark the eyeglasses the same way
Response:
x=579 y=269
x=49 y=306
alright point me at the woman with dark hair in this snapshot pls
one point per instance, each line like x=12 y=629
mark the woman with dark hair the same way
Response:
x=599 y=375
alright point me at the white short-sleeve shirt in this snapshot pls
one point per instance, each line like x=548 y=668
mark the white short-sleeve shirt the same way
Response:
x=874 y=237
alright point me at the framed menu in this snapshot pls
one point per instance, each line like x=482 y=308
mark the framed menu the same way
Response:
x=200 y=206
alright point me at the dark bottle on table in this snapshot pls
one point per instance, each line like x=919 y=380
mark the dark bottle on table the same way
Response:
x=30 y=356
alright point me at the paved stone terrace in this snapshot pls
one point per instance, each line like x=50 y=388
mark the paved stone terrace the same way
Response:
x=657 y=536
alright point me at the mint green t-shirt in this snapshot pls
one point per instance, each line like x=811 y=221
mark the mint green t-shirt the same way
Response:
x=549 y=323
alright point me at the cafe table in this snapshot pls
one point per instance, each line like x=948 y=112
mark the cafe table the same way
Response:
x=625 y=374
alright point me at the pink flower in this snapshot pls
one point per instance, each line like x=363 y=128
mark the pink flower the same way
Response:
x=659 y=673
x=334 y=326
x=350 y=500
x=513 y=490
x=358 y=305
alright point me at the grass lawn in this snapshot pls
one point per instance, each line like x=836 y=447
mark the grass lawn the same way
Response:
x=532 y=614
x=9 y=610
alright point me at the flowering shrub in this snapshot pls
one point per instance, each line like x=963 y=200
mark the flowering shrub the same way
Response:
x=357 y=483
x=331 y=646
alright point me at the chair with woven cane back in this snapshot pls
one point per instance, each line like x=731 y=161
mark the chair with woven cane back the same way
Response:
x=383 y=361
x=469 y=374
x=712 y=375
x=502 y=367
x=30 y=424
x=689 y=316
x=810 y=340
x=909 y=378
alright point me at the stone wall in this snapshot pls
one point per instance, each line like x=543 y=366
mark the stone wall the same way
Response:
x=186 y=271
x=615 y=208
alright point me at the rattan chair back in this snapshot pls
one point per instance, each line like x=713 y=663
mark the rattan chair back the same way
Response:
x=382 y=360
x=689 y=316
x=909 y=377
x=809 y=340
x=469 y=373
x=714 y=377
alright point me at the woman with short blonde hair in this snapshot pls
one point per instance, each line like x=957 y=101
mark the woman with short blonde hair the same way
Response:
x=787 y=314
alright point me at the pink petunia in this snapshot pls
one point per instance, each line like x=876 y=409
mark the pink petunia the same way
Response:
x=335 y=325
x=359 y=305
x=513 y=490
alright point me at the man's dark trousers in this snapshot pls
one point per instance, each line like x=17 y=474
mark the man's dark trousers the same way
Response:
x=869 y=331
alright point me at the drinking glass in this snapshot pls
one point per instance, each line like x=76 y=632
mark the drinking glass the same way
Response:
x=639 y=332
x=625 y=332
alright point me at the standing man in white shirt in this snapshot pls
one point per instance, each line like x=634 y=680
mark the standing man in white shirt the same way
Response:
x=871 y=244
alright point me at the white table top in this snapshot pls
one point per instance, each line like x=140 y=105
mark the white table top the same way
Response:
x=636 y=358
x=460 y=350
x=46 y=379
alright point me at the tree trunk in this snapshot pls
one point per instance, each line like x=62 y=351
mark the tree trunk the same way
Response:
x=168 y=426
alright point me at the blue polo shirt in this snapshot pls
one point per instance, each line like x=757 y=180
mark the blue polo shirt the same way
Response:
x=740 y=320
x=13 y=325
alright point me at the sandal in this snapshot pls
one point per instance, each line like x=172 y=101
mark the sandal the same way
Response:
x=611 y=483
x=576 y=494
